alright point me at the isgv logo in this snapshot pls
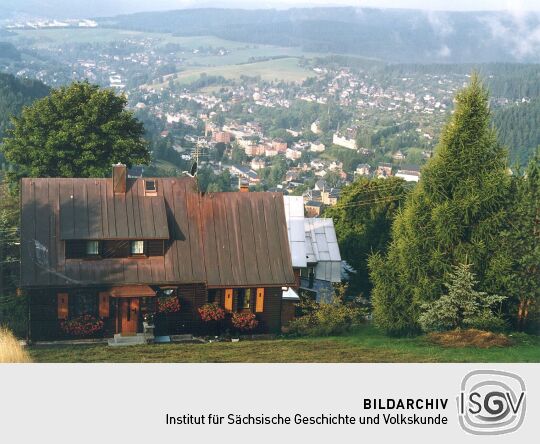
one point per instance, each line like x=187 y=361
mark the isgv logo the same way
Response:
x=491 y=402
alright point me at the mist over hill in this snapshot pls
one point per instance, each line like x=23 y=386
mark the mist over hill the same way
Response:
x=395 y=35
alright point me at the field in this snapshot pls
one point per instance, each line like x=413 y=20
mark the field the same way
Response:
x=366 y=345
x=286 y=69
x=198 y=54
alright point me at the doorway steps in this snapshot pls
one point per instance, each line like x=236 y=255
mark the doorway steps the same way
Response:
x=120 y=340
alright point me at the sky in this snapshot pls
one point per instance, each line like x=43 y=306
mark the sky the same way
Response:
x=108 y=8
x=446 y=5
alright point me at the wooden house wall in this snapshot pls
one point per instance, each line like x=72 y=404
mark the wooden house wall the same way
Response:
x=270 y=318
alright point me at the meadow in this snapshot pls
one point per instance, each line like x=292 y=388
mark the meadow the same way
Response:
x=365 y=345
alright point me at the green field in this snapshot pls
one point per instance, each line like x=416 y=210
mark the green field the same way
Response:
x=366 y=345
x=286 y=69
x=239 y=52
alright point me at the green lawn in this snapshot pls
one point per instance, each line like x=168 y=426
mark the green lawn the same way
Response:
x=366 y=345
x=286 y=69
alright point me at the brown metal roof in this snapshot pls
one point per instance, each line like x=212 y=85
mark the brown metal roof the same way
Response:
x=222 y=239
x=90 y=210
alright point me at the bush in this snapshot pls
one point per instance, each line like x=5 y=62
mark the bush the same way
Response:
x=462 y=307
x=327 y=319
x=11 y=349
x=244 y=321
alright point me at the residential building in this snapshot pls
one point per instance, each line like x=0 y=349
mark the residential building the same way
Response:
x=384 y=170
x=116 y=249
x=317 y=147
x=313 y=208
x=315 y=255
x=344 y=141
x=410 y=173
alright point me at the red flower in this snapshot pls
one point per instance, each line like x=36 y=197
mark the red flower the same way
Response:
x=211 y=312
x=84 y=325
x=244 y=321
x=168 y=304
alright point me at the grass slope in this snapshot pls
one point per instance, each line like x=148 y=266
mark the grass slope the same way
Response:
x=367 y=345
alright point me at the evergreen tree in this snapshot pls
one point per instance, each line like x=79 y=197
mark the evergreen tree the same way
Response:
x=462 y=306
x=456 y=212
x=517 y=260
x=363 y=218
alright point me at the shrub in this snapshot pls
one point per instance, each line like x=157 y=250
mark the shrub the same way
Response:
x=244 y=321
x=168 y=304
x=211 y=312
x=11 y=349
x=326 y=319
x=462 y=306
x=85 y=325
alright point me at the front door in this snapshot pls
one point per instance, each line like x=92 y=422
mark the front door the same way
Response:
x=129 y=315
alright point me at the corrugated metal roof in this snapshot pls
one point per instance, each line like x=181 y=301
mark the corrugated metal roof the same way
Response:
x=90 y=210
x=222 y=239
x=322 y=248
x=294 y=213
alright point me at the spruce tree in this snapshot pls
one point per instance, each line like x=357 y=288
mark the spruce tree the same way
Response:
x=454 y=215
x=462 y=306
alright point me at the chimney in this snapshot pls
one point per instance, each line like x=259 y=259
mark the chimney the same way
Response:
x=119 y=178
x=243 y=185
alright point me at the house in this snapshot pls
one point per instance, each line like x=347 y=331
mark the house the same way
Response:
x=330 y=196
x=257 y=163
x=320 y=185
x=293 y=154
x=315 y=255
x=221 y=137
x=316 y=127
x=384 y=170
x=313 y=209
x=363 y=169
x=314 y=195
x=317 y=147
x=114 y=248
x=410 y=173
x=398 y=156
x=344 y=141
x=246 y=173
x=279 y=145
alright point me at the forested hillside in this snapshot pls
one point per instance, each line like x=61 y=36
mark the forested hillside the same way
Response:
x=519 y=129
x=397 y=35
x=14 y=93
x=8 y=51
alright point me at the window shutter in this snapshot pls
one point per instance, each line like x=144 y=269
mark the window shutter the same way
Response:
x=259 y=304
x=62 y=305
x=103 y=304
x=229 y=299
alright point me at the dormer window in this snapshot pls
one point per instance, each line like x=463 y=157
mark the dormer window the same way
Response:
x=137 y=248
x=150 y=187
x=92 y=248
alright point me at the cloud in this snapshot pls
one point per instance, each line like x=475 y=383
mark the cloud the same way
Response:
x=516 y=29
x=440 y=23
x=444 y=51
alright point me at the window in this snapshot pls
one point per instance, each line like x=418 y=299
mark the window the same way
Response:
x=83 y=302
x=137 y=248
x=92 y=248
x=150 y=187
x=244 y=299
x=213 y=296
